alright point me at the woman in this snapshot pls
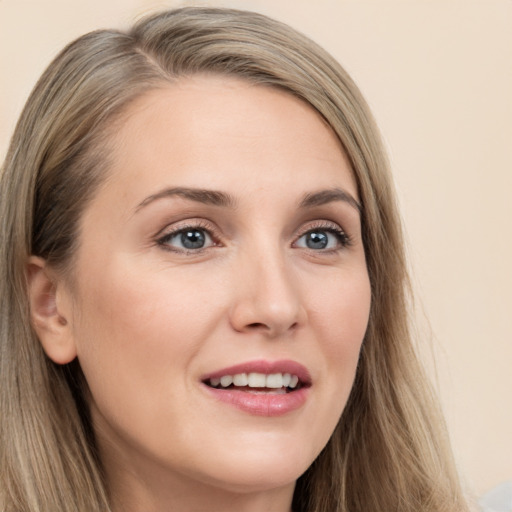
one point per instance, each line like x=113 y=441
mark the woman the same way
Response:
x=204 y=286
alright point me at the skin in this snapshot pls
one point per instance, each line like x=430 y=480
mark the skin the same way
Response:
x=147 y=318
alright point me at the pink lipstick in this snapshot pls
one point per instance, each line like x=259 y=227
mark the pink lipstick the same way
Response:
x=261 y=387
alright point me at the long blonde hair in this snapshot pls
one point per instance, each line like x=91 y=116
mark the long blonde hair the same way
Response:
x=389 y=451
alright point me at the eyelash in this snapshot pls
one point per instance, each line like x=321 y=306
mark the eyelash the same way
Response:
x=328 y=227
x=198 y=225
x=202 y=226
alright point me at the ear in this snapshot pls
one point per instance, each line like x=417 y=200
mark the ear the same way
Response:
x=48 y=312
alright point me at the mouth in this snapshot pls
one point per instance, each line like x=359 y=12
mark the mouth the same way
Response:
x=257 y=383
x=261 y=388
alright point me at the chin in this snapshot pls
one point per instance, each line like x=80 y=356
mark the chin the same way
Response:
x=259 y=466
x=257 y=476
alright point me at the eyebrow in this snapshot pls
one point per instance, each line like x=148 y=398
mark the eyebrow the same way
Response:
x=217 y=198
x=328 y=196
x=212 y=197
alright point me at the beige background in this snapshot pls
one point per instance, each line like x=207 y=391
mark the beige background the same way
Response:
x=438 y=75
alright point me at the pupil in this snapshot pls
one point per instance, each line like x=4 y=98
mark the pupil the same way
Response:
x=317 y=240
x=192 y=239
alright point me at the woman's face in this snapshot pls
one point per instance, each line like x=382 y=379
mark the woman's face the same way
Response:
x=225 y=242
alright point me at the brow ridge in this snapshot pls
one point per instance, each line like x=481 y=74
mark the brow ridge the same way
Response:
x=212 y=197
x=328 y=196
x=217 y=198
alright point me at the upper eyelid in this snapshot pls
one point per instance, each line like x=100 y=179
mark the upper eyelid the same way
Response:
x=212 y=229
x=346 y=239
x=219 y=234
x=321 y=224
x=165 y=236
x=177 y=227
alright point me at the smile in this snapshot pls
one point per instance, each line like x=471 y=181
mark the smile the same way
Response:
x=261 y=388
x=256 y=382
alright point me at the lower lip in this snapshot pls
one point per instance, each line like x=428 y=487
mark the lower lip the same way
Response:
x=261 y=404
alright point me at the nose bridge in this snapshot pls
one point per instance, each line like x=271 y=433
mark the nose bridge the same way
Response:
x=267 y=297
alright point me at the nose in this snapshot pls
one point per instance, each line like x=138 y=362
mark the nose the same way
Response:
x=267 y=297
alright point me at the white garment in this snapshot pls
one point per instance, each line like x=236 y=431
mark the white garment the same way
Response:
x=498 y=499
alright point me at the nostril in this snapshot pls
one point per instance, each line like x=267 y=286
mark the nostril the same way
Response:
x=271 y=329
x=257 y=325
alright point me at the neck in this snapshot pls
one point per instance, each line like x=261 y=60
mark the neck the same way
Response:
x=133 y=492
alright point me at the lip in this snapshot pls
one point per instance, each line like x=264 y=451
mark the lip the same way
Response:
x=264 y=404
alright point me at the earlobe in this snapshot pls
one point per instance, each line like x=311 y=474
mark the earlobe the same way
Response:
x=47 y=314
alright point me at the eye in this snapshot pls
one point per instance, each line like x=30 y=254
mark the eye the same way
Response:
x=190 y=238
x=324 y=238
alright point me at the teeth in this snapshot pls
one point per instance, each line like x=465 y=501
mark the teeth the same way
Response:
x=225 y=381
x=274 y=380
x=257 y=380
x=240 y=379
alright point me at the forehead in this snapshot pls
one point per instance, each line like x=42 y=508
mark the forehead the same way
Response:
x=221 y=132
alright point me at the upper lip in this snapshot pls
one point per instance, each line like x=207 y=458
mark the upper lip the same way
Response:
x=266 y=367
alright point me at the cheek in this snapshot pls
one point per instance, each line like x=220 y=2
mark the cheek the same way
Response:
x=343 y=313
x=134 y=327
x=142 y=322
x=137 y=338
x=342 y=310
